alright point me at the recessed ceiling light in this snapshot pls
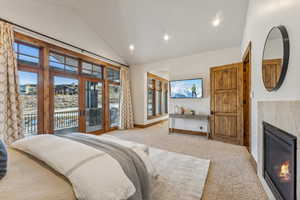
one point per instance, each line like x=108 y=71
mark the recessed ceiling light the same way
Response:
x=216 y=22
x=166 y=37
x=131 y=47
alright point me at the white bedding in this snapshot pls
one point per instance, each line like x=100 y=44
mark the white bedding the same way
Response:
x=94 y=174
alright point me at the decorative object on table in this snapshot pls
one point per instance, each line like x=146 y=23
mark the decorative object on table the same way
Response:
x=192 y=112
x=182 y=110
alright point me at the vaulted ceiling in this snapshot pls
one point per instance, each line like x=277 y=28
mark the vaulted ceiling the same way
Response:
x=144 y=22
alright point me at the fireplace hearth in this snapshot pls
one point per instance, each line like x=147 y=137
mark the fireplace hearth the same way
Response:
x=279 y=162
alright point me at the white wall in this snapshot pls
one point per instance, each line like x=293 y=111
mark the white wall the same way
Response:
x=138 y=88
x=194 y=66
x=56 y=21
x=262 y=16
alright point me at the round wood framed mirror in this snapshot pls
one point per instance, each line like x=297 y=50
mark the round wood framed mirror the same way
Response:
x=275 y=58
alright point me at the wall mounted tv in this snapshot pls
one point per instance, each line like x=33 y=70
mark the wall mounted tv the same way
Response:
x=190 y=89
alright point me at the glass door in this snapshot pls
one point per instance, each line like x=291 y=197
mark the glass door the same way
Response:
x=66 y=105
x=93 y=106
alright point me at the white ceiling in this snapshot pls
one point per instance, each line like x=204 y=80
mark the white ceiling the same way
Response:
x=144 y=22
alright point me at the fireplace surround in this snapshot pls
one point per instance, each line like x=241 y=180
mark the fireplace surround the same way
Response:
x=279 y=162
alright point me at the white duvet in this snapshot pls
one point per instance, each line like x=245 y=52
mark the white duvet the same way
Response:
x=94 y=174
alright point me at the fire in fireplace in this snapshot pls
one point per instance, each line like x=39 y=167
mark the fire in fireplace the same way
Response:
x=280 y=149
x=284 y=174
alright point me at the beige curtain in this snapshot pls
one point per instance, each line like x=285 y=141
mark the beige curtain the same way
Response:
x=10 y=107
x=126 y=103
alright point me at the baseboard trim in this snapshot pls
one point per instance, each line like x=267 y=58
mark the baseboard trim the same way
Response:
x=151 y=124
x=253 y=163
x=174 y=130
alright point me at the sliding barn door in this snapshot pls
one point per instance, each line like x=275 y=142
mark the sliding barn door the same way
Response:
x=227 y=103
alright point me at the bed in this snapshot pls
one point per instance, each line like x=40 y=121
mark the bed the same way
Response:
x=96 y=167
x=29 y=178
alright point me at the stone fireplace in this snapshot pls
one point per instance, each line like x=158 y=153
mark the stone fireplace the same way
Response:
x=278 y=132
x=279 y=162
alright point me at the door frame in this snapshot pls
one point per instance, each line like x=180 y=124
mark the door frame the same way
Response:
x=82 y=119
x=247 y=59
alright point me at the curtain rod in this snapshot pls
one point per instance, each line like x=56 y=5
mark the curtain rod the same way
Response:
x=65 y=43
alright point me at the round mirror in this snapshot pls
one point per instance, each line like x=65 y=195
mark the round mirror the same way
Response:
x=275 y=58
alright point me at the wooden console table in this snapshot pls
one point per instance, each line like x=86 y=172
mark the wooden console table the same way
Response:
x=206 y=118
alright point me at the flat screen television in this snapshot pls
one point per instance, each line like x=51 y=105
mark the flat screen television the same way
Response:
x=192 y=89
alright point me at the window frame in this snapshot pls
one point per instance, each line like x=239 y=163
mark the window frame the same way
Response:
x=23 y=67
x=46 y=74
x=52 y=68
x=157 y=87
x=108 y=83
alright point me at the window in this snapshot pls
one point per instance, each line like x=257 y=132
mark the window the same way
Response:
x=166 y=97
x=156 y=96
x=63 y=62
x=27 y=54
x=92 y=69
x=82 y=92
x=114 y=105
x=66 y=104
x=93 y=106
x=159 y=97
x=28 y=89
x=151 y=97
x=113 y=75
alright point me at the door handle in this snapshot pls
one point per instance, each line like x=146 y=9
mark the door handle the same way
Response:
x=212 y=112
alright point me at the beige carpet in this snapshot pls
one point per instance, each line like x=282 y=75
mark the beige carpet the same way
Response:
x=177 y=179
x=230 y=177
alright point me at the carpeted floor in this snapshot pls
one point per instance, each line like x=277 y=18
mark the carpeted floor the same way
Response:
x=230 y=177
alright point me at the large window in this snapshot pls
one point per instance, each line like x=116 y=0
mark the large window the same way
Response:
x=166 y=98
x=28 y=58
x=114 y=105
x=29 y=99
x=63 y=62
x=113 y=75
x=114 y=92
x=156 y=96
x=92 y=69
x=151 y=97
x=159 y=97
x=64 y=91
x=27 y=54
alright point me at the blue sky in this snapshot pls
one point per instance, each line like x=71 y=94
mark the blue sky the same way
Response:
x=31 y=78
x=27 y=78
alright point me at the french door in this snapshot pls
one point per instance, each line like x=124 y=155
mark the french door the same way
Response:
x=65 y=104
x=92 y=106
x=77 y=104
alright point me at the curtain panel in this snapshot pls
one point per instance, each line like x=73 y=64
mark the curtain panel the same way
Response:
x=10 y=104
x=126 y=101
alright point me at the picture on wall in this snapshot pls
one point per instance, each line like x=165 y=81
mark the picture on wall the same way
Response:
x=192 y=88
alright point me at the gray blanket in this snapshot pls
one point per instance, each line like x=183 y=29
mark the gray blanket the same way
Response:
x=132 y=165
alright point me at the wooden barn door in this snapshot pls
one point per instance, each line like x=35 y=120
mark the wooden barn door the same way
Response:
x=227 y=103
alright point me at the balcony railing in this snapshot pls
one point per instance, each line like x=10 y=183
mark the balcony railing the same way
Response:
x=69 y=119
x=30 y=123
x=62 y=120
